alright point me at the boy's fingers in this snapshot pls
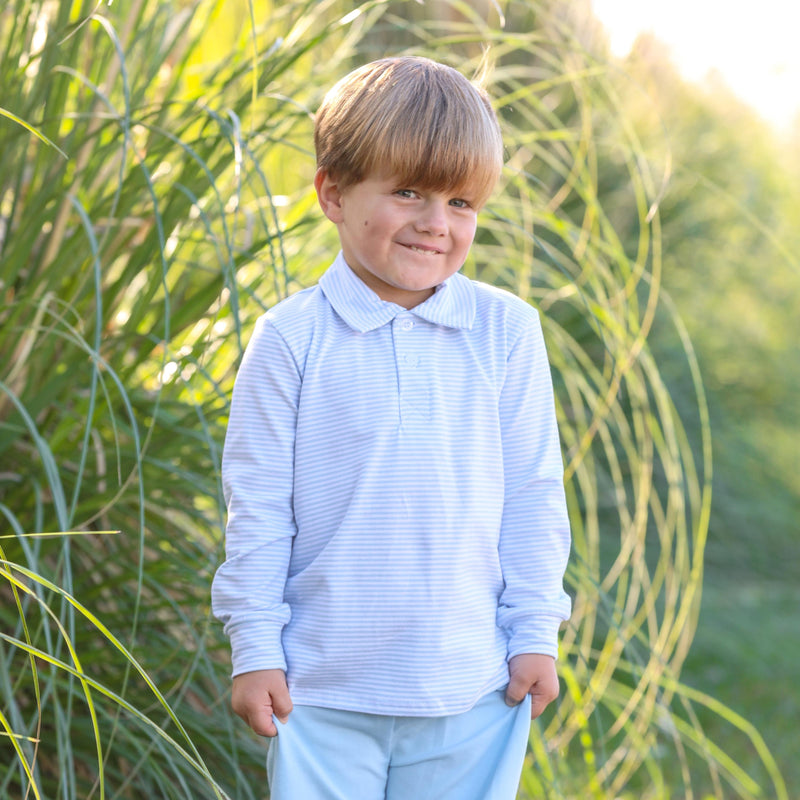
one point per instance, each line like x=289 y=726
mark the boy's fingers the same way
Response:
x=535 y=675
x=282 y=705
x=257 y=695
x=538 y=703
x=262 y=724
x=542 y=694
x=258 y=715
x=515 y=694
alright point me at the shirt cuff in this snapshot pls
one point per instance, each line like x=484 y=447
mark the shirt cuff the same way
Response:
x=255 y=647
x=538 y=636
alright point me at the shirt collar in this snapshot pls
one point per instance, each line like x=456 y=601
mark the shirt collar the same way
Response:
x=452 y=304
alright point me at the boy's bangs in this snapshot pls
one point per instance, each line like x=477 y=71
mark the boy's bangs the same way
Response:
x=440 y=148
x=415 y=120
x=462 y=167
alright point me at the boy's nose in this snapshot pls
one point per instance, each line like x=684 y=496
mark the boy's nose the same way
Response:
x=433 y=218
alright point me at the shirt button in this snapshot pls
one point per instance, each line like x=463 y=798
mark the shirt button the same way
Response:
x=407 y=324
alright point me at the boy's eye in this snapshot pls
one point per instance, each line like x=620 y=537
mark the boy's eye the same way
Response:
x=459 y=203
x=405 y=192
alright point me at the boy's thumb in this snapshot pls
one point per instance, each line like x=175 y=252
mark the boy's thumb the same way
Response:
x=515 y=692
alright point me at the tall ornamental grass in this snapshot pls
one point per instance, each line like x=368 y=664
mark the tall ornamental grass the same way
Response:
x=155 y=168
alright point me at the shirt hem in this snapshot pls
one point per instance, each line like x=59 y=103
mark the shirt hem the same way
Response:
x=388 y=710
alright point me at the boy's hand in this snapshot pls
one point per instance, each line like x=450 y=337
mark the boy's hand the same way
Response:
x=256 y=696
x=534 y=675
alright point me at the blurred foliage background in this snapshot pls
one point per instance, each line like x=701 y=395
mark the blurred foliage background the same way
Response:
x=155 y=174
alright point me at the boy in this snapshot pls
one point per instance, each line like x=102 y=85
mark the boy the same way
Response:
x=397 y=532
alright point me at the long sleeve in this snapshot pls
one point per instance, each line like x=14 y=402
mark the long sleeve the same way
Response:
x=257 y=474
x=535 y=537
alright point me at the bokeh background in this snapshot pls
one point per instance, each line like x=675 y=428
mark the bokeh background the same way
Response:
x=155 y=198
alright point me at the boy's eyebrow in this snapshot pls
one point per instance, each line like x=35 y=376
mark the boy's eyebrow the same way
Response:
x=458 y=192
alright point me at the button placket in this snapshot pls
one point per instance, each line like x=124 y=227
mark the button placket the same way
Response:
x=413 y=398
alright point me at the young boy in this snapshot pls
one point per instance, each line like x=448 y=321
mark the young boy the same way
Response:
x=397 y=532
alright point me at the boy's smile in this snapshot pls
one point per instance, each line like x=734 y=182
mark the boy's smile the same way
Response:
x=401 y=241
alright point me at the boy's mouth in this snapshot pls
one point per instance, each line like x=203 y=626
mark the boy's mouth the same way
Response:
x=426 y=251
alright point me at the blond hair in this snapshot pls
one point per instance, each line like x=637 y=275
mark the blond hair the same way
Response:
x=414 y=119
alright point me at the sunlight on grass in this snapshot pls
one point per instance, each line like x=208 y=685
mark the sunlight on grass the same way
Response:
x=31 y=129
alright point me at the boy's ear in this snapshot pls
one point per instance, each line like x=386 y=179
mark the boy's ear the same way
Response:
x=329 y=196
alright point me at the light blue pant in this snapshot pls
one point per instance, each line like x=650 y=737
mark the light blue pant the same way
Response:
x=324 y=754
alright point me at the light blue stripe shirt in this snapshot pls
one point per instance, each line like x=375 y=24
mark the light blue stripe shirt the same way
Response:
x=397 y=528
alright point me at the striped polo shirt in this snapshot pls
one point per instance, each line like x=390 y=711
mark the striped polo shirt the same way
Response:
x=397 y=527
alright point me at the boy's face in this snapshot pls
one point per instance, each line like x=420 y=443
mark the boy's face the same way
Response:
x=400 y=240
